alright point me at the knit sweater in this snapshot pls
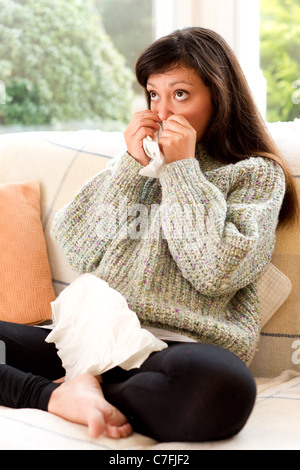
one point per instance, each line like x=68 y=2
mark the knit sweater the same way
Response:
x=185 y=250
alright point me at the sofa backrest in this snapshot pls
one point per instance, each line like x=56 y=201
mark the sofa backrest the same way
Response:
x=61 y=162
x=279 y=346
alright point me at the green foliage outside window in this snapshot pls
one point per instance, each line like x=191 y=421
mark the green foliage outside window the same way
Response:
x=129 y=23
x=58 y=64
x=280 y=57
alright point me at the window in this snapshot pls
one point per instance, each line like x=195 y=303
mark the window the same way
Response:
x=68 y=64
x=59 y=69
x=265 y=34
x=280 y=57
x=129 y=23
x=238 y=21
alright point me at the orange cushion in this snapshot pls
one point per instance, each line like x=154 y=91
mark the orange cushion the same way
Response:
x=26 y=289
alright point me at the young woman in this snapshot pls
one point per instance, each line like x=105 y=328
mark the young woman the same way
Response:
x=221 y=193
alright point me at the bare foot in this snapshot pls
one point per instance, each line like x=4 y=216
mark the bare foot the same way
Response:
x=81 y=401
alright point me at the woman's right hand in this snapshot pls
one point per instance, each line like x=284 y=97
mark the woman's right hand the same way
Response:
x=143 y=124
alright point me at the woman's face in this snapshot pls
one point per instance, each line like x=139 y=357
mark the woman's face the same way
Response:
x=181 y=91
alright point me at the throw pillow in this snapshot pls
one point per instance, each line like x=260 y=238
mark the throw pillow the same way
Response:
x=274 y=287
x=25 y=279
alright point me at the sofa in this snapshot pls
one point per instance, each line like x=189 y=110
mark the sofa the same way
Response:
x=39 y=173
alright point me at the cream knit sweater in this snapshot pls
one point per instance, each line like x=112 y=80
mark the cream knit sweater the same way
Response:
x=185 y=250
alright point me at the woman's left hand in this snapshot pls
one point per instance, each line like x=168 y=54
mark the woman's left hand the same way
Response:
x=178 y=140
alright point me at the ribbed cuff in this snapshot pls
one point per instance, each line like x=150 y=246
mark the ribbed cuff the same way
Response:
x=175 y=176
x=127 y=172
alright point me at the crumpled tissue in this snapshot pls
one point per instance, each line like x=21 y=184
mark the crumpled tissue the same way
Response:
x=152 y=150
x=96 y=331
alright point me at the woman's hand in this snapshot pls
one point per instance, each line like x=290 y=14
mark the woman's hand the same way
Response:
x=143 y=124
x=178 y=140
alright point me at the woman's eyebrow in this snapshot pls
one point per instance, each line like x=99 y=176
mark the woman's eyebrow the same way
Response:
x=171 y=84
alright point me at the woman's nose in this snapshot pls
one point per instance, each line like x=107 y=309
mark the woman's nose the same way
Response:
x=164 y=110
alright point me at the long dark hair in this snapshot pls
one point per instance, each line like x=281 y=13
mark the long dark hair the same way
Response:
x=237 y=130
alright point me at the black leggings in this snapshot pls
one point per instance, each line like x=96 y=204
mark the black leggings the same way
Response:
x=187 y=392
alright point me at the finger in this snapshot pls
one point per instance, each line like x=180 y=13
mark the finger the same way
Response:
x=177 y=129
x=143 y=124
x=148 y=112
x=145 y=132
x=176 y=119
x=145 y=115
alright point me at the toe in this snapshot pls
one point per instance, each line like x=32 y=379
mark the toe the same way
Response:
x=96 y=423
x=117 y=432
x=113 y=416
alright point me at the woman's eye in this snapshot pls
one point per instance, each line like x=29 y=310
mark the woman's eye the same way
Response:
x=181 y=95
x=153 y=95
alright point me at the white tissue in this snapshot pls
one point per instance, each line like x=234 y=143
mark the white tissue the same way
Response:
x=96 y=331
x=152 y=150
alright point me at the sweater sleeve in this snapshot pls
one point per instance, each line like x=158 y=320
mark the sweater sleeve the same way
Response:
x=85 y=227
x=222 y=240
